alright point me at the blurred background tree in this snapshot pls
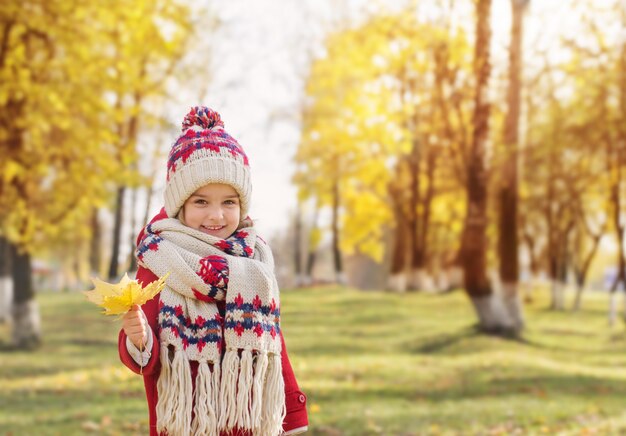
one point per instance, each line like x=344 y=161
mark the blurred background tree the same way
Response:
x=75 y=77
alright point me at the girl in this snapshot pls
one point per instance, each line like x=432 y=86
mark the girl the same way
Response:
x=210 y=346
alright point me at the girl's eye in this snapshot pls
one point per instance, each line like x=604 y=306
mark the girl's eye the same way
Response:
x=230 y=202
x=200 y=201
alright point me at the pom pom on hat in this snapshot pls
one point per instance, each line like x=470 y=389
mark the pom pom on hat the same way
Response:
x=204 y=153
x=203 y=117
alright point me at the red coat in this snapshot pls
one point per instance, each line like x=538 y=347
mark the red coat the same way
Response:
x=294 y=398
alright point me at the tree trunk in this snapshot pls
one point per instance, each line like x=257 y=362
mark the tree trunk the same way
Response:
x=492 y=314
x=310 y=264
x=117 y=233
x=508 y=246
x=397 y=276
x=581 y=273
x=534 y=266
x=95 y=245
x=26 y=319
x=297 y=246
x=477 y=286
x=559 y=274
x=312 y=245
x=337 y=261
x=612 y=315
x=580 y=288
x=132 y=264
x=619 y=278
x=146 y=214
x=6 y=282
x=130 y=135
x=422 y=276
x=554 y=282
x=413 y=218
x=399 y=255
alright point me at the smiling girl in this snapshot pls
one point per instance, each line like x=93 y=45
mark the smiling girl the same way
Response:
x=210 y=346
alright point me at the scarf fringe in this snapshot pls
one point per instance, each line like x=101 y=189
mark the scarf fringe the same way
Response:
x=244 y=390
x=228 y=390
x=175 y=392
x=165 y=394
x=273 y=411
x=260 y=372
x=250 y=396
x=252 y=393
x=205 y=416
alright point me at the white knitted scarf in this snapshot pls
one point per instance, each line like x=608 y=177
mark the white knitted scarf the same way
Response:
x=239 y=382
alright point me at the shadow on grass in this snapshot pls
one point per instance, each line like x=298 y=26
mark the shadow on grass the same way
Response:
x=568 y=332
x=582 y=313
x=6 y=347
x=444 y=342
x=31 y=346
x=441 y=342
x=478 y=383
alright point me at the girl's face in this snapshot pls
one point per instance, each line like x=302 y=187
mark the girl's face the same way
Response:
x=213 y=209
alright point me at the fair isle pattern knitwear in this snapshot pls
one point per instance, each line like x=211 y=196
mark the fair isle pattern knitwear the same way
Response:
x=239 y=383
x=203 y=154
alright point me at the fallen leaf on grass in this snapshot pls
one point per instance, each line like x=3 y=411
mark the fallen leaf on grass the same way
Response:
x=106 y=421
x=434 y=429
x=90 y=426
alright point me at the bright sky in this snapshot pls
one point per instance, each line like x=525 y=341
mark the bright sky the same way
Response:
x=260 y=58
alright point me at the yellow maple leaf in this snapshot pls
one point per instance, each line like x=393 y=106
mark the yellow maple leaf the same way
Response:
x=118 y=298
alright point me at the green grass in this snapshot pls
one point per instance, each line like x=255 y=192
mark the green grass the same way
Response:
x=370 y=362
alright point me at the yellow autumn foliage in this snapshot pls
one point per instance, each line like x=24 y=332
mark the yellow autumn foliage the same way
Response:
x=69 y=76
x=371 y=97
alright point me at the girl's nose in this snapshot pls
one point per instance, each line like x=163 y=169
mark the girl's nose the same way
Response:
x=215 y=212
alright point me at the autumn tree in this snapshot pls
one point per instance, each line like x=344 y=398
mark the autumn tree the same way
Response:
x=345 y=140
x=570 y=159
x=58 y=127
x=48 y=98
x=601 y=116
x=386 y=115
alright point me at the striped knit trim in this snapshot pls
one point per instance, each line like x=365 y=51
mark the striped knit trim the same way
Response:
x=195 y=144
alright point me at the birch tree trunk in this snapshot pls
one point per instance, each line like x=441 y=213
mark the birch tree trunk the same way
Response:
x=488 y=306
x=311 y=249
x=26 y=320
x=95 y=244
x=117 y=234
x=133 y=226
x=6 y=282
x=340 y=277
x=508 y=246
x=297 y=247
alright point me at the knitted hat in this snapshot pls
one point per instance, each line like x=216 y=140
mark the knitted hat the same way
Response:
x=204 y=154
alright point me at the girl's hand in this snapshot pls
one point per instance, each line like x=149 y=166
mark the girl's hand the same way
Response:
x=135 y=325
